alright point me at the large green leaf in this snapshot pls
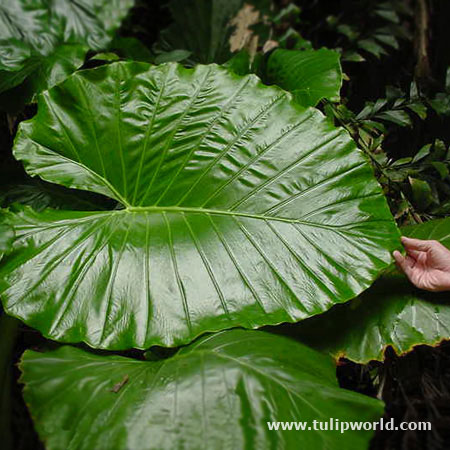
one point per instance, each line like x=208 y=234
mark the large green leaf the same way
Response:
x=241 y=208
x=311 y=75
x=43 y=41
x=392 y=312
x=219 y=393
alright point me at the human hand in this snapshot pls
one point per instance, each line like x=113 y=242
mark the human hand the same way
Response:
x=427 y=264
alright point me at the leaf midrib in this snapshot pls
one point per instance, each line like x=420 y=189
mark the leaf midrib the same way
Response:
x=91 y=215
x=187 y=209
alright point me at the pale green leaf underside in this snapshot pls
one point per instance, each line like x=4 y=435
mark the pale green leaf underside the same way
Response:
x=219 y=393
x=392 y=312
x=241 y=209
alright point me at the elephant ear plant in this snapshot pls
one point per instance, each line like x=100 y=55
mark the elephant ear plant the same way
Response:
x=238 y=208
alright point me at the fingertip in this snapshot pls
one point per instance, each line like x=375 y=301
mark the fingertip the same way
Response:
x=405 y=239
x=398 y=256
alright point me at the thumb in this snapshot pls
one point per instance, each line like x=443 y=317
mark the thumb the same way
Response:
x=402 y=263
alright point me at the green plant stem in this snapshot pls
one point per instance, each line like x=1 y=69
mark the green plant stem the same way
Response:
x=375 y=163
x=361 y=144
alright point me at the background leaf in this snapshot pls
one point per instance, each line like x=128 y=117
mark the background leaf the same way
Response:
x=218 y=393
x=39 y=73
x=311 y=75
x=392 y=312
x=201 y=27
x=43 y=42
x=6 y=237
x=422 y=193
x=131 y=48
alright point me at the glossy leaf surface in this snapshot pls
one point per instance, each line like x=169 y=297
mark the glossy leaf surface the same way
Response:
x=392 y=312
x=6 y=238
x=311 y=75
x=218 y=393
x=241 y=208
x=43 y=41
x=40 y=72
